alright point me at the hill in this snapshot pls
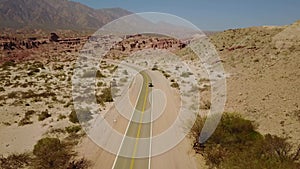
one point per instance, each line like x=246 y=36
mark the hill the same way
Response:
x=263 y=84
x=54 y=14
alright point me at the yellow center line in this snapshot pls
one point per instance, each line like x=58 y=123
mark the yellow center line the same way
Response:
x=140 y=126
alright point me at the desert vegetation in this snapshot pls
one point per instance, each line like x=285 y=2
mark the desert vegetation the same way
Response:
x=44 y=115
x=73 y=129
x=175 y=85
x=51 y=153
x=237 y=144
x=15 y=161
x=73 y=117
x=35 y=98
x=47 y=153
x=26 y=120
x=262 y=69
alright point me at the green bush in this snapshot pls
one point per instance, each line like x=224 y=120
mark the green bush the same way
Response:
x=99 y=100
x=73 y=129
x=100 y=84
x=233 y=131
x=175 y=85
x=167 y=75
x=236 y=144
x=51 y=153
x=106 y=95
x=271 y=152
x=100 y=75
x=73 y=117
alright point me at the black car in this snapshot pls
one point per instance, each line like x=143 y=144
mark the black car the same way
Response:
x=151 y=85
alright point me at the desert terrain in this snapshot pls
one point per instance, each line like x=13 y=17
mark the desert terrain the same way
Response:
x=262 y=66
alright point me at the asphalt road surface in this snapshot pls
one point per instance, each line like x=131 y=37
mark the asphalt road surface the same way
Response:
x=139 y=128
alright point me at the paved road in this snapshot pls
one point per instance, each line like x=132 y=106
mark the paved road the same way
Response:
x=139 y=127
x=181 y=156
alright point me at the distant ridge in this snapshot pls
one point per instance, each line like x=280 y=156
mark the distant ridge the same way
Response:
x=54 y=14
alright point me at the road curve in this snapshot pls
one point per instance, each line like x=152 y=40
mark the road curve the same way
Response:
x=137 y=129
x=181 y=156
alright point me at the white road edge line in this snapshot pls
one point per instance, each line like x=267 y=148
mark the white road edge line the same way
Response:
x=151 y=117
x=117 y=155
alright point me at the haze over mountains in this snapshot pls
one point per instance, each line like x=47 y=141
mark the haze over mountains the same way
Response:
x=54 y=14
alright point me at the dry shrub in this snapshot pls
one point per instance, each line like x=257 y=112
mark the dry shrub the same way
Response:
x=15 y=161
x=51 y=153
x=79 y=164
x=44 y=115
x=73 y=117
x=236 y=144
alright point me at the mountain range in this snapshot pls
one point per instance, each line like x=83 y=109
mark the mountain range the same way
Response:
x=54 y=14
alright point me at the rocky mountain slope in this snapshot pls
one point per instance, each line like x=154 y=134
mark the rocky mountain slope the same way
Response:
x=263 y=84
x=54 y=14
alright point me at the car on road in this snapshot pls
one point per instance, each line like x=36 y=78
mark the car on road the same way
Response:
x=151 y=85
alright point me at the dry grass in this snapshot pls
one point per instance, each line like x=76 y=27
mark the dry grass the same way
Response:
x=26 y=120
x=15 y=161
x=73 y=129
x=44 y=115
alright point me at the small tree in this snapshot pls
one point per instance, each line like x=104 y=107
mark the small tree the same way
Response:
x=236 y=144
x=51 y=153
x=73 y=117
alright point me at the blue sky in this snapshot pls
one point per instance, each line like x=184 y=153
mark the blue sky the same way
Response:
x=214 y=14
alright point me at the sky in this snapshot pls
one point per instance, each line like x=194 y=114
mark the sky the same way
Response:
x=214 y=15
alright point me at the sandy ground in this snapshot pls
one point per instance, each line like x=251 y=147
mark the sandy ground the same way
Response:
x=17 y=139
